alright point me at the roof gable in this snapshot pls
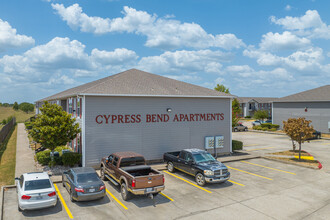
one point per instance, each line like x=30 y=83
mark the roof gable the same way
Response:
x=318 y=94
x=137 y=82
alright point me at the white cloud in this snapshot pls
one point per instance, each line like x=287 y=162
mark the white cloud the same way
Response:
x=286 y=41
x=309 y=25
x=187 y=61
x=306 y=60
x=288 y=7
x=164 y=33
x=10 y=39
x=119 y=55
x=60 y=60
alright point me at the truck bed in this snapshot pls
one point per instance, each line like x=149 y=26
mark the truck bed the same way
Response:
x=140 y=170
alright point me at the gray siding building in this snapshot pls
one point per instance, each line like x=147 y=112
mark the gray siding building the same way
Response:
x=312 y=104
x=146 y=113
x=249 y=105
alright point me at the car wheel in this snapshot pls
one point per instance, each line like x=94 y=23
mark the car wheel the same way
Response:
x=155 y=194
x=63 y=183
x=71 y=196
x=170 y=167
x=245 y=129
x=200 y=179
x=125 y=194
x=19 y=208
x=235 y=129
x=102 y=173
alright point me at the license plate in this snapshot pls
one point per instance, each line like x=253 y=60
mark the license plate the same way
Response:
x=149 y=189
x=91 y=190
x=39 y=197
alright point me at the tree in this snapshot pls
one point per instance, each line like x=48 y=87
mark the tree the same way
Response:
x=5 y=104
x=15 y=106
x=54 y=127
x=261 y=114
x=221 y=88
x=236 y=110
x=26 y=107
x=299 y=130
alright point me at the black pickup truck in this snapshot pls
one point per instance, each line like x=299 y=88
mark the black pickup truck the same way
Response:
x=198 y=163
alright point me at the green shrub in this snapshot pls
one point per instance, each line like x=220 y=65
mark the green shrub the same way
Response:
x=60 y=148
x=258 y=127
x=28 y=125
x=264 y=129
x=266 y=125
x=248 y=116
x=272 y=129
x=43 y=157
x=275 y=126
x=237 y=145
x=4 y=121
x=71 y=159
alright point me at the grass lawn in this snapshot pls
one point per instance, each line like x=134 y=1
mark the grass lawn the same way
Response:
x=21 y=116
x=302 y=162
x=8 y=160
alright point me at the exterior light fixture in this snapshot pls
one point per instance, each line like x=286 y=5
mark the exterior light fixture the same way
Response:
x=306 y=109
x=169 y=110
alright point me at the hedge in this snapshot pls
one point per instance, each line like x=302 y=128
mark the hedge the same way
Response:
x=269 y=125
x=71 y=159
x=237 y=145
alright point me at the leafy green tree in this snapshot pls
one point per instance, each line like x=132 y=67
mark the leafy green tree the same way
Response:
x=15 y=106
x=26 y=107
x=54 y=127
x=221 y=88
x=299 y=130
x=261 y=115
x=236 y=110
x=5 y=104
x=0 y=104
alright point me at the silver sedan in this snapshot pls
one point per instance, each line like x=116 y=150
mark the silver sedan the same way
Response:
x=35 y=191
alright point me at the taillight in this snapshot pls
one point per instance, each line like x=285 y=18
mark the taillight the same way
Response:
x=163 y=179
x=26 y=197
x=102 y=187
x=52 y=194
x=79 y=189
x=133 y=183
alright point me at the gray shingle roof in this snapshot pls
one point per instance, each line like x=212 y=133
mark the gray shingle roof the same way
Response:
x=137 y=82
x=318 y=94
x=258 y=99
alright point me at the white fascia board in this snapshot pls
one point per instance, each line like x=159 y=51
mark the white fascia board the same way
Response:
x=83 y=131
x=231 y=129
x=165 y=96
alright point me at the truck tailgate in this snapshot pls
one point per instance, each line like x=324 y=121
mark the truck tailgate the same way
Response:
x=149 y=181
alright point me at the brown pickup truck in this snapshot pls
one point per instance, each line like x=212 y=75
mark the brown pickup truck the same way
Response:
x=129 y=170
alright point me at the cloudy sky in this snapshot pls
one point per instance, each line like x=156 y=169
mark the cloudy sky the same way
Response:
x=256 y=48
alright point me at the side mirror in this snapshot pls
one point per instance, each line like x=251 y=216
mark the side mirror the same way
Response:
x=17 y=178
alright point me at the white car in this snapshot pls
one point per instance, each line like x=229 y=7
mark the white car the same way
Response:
x=35 y=191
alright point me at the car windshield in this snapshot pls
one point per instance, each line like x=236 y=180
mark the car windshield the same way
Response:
x=37 y=184
x=203 y=157
x=87 y=178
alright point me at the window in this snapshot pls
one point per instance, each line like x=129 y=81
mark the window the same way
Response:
x=87 y=178
x=70 y=105
x=183 y=155
x=132 y=161
x=115 y=161
x=37 y=184
x=78 y=107
x=110 y=158
x=189 y=157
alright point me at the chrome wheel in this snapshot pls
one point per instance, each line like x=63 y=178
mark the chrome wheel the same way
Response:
x=102 y=173
x=170 y=167
x=200 y=179
x=124 y=193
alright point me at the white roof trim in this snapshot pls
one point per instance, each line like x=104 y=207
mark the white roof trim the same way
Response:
x=165 y=96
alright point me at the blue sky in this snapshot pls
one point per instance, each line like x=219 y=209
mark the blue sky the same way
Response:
x=256 y=48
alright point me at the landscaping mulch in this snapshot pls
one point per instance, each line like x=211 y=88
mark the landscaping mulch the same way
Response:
x=305 y=163
x=291 y=153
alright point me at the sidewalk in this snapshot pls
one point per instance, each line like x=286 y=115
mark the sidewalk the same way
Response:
x=24 y=154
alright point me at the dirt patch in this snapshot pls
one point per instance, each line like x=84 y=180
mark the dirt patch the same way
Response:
x=305 y=163
x=291 y=153
x=326 y=135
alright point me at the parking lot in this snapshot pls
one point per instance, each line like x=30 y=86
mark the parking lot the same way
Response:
x=258 y=189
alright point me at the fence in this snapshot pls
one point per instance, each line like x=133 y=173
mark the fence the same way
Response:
x=6 y=129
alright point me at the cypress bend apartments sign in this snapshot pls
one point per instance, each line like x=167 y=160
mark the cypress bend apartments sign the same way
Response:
x=156 y=118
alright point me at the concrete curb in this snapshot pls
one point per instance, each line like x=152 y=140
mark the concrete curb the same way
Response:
x=2 y=198
x=320 y=165
x=299 y=165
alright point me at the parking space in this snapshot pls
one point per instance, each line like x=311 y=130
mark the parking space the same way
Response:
x=259 y=189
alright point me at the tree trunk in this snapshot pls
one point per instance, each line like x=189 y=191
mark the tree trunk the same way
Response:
x=299 y=150
x=293 y=146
